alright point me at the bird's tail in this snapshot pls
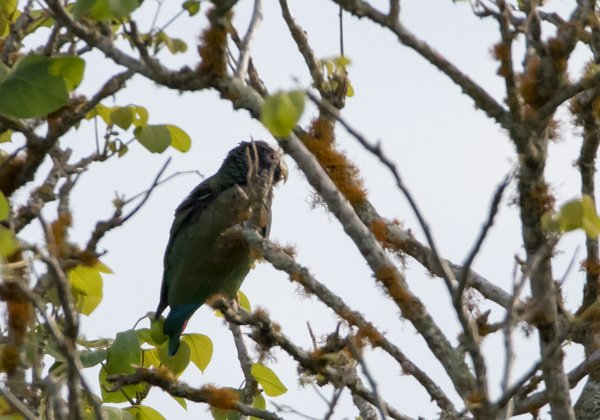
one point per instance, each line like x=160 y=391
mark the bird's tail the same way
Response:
x=175 y=324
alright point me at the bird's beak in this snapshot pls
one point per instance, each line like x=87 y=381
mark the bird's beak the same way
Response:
x=283 y=169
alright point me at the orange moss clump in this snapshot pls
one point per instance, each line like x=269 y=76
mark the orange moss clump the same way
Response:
x=213 y=45
x=59 y=229
x=10 y=359
x=591 y=267
x=370 y=333
x=557 y=51
x=221 y=397
x=20 y=314
x=344 y=174
x=541 y=198
x=11 y=170
x=297 y=277
x=88 y=258
x=530 y=82
x=290 y=250
x=501 y=52
x=380 y=230
x=408 y=304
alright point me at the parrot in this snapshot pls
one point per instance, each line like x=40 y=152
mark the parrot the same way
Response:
x=199 y=260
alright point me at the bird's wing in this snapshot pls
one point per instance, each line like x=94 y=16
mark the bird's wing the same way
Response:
x=186 y=213
x=200 y=261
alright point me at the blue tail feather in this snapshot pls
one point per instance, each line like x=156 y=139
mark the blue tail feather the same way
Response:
x=175 y=322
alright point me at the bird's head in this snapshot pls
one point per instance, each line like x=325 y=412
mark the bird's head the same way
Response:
x=256 y=155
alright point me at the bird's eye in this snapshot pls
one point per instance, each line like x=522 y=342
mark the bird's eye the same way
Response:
x=272 y=156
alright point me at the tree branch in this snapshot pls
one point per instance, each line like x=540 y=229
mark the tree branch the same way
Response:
x=208 y=394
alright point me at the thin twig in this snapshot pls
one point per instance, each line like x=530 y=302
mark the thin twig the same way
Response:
x=244 y=57
x=462 y=280
x=251 y=387
x=356 y=354
x=337 y=393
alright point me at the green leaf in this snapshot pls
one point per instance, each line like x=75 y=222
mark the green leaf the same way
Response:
x=109 y=413
x=174 y=45
x=8 y=243
x=150 y=358
x=101 y=111
x=571 y=215
x=179 y=138
x=192 y=6
x=38 y=85
x=201 y=349
x=350 y=90
x=269 y=381
x=4 y=207
x=342 y=61
x=225 y=414
x=122 y=116
x=143 y=412
x=4 y=71
x=6 y=136
x=104 y=10
x=260 y=403
x=280 y=112
x=91 y=358
x=82 y=7
x=101 y=342
x=121 y=395
x=155 y=138
x=41 y=19
x=86 y=284
x=181 y=401
x=69 y=68
x=145 y=336
x=244 y=301
x=122 y=150
x=103 y=268
x=156 y=330
x=178 y=362
x=591 y=221
x=8 y=12
x=124 y=353
x=122 y=8
x=140 y=119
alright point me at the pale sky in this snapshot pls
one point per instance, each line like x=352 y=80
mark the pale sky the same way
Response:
x=450 y=155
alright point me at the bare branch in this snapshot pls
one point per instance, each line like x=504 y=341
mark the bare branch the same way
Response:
x=244 y=57
x=483 y=100
x=208 y=394
x=303 y=47
x=356 y=353
x=251 y=386
x=284 y=262
x=117 y=219
x=462 y=282
x=538 y=400
x=264 y=332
